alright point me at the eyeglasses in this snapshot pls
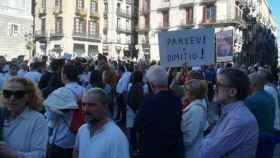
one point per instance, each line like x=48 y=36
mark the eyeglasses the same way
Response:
x=17 y=94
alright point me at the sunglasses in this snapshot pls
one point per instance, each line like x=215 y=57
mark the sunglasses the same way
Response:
x=17 y=94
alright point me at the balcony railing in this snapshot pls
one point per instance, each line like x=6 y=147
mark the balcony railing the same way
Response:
x=128 y=1
x=81 y=12
x=56 y=33
x=86 y=37
x=95 y=37
x=187 y=22
x=164 y=5
x=42 y=12
x=124 y=13
x=186 y=3
x=108 y=40
x=94 y=13
x=209 y=21
x=208 y=1
x=225 y=21
x=40 y=34
x=57 y=10
x=126 y=30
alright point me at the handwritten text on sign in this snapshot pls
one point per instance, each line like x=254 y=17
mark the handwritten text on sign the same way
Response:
x=193 y=47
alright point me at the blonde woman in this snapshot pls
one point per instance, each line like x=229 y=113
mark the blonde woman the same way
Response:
x=24 y=129
x=194 y=118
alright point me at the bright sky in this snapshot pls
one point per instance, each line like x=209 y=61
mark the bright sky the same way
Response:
x=275 y=4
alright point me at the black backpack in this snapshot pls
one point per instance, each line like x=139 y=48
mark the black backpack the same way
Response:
x=135 y=96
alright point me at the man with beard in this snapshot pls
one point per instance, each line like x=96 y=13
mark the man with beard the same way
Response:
x=100 y=137
x=236 y=132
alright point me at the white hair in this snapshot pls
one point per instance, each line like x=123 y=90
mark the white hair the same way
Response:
x=157 y=75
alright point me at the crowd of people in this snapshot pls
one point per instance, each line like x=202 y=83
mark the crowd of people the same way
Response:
x=85 y=108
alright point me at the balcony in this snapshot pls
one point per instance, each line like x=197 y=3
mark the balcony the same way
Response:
x=107 y=40
x=128 y=1
x=56 y=34
x=164 y=5
x=42 y=12
x=124 y=13
x=41 y=36
x=123 y=29
x=81 y=12
x=187 y=23
x=186 y=3
x=142 y=29
x=224 y=21
x=208 y=21
x=57 y=10
x=94 y=37
x=82 y=36
x=94 y=13
x=203 y=2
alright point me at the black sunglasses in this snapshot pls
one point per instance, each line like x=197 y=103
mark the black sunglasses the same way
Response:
x=17 y=94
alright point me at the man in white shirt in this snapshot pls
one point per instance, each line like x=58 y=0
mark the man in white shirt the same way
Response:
x=100 y=137
x=121 y=89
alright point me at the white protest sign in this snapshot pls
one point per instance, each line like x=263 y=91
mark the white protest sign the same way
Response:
x=193 y=47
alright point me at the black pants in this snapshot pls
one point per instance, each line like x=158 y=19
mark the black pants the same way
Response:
x=55 y=151
x=121 y=108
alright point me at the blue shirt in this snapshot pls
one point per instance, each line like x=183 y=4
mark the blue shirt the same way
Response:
x=27 y=134
x=234 y=136
x=262 y=105
x=107 y=142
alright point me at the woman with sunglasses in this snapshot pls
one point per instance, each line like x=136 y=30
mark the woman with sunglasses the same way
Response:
x=194 y=118
x=24 y=129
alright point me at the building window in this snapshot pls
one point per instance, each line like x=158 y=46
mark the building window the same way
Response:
x=44 y=5
x=147 y=21
x=43 y=26
x=106 y=7
x=80 y=4
x=13 y=30
x=93 y=28
x=127 y=10
x=127 y=25
x=58 y=25
x=92 y=50
x=209 y=13
x=118 y=22
x=118 y=6
x=189 y=15
x=94 y=5
x=165 y=18
x=238 y=11
x=146 y=6
x=79 y=49
x=58 y=3
x=80 y=25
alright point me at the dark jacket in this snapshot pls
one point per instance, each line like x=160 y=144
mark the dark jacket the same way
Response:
x=159 y=119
